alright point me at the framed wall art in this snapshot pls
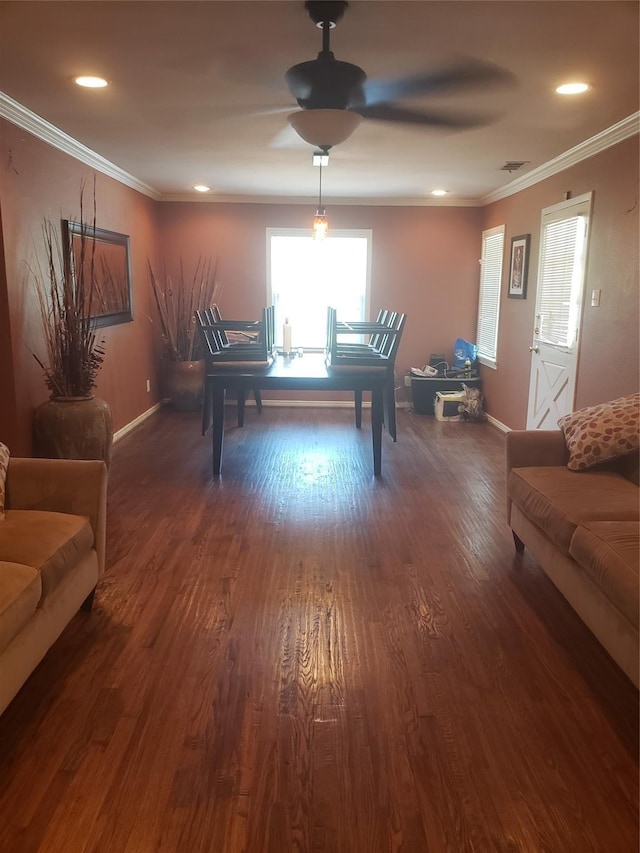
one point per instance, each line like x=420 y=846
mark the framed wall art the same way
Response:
x=104 y=256
x=519 y=267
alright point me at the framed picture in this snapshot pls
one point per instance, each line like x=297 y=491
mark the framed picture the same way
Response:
x=94 y=253
x=519 y=267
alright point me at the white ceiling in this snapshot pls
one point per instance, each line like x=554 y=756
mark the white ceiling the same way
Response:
x=197 y=91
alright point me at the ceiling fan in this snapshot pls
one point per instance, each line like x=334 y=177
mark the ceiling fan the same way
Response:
x=327 y=84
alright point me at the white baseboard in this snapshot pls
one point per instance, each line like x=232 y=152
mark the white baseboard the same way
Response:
x=496 y=423
x=134 y=423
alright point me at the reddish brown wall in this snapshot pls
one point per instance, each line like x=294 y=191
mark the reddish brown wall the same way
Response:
x=36 y=182
x=8 y=431
x=425 y=261
x=608 y=359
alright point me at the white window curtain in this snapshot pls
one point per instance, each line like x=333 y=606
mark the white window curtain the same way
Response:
x=489 y=301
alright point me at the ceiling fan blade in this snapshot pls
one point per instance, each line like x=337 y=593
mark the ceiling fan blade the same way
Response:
x=244 y=111
x=466 y=75
x=287 y=138
x=390 y=113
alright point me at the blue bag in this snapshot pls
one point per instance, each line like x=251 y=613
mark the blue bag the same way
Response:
x=462 y=351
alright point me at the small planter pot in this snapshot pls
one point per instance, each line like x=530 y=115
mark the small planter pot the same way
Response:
x=73 y=428
x=184 y=384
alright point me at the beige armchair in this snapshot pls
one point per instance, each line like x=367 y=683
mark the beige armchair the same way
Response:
x=52 y=555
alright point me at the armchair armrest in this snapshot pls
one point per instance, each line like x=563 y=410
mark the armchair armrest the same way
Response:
x=74 y=486
x=536 y=448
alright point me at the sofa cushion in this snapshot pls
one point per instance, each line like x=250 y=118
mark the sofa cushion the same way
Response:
x=598 y=433
x=51 y=542
x=20 y=591
x=4 y=464
x=556 y=499
x=608 y=551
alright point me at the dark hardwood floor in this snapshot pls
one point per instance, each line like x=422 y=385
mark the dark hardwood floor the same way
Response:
x=299 y=657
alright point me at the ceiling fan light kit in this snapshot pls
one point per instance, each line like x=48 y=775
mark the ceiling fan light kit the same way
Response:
x=324 y=128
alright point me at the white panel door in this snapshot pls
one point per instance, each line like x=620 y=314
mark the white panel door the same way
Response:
x=552 y=385
x=559 y=296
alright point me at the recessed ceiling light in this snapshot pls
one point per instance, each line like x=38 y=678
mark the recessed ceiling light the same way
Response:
x=202 y=188
x=438 y=192
x=91 y=82
x=572 y=88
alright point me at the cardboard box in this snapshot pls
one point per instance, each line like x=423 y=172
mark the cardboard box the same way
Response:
x=446 y=407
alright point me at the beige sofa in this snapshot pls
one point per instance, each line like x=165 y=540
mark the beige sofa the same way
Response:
x=583 y=528
x=51 y=557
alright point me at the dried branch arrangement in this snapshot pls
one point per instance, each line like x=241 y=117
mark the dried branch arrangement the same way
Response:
x=67 y=294
x=177 y=304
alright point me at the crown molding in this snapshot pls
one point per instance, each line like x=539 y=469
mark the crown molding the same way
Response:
x=212 y=198
x=49 y=133
x=600 y=142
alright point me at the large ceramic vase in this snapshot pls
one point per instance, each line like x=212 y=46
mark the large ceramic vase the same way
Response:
x=184 y=384
x=73 y=428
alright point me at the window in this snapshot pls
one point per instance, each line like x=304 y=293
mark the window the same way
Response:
x=561 y=273
x=489 y=302
x=306 y=276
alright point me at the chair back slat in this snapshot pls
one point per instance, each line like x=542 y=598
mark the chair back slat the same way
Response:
x=380 y=350
x=259 y=343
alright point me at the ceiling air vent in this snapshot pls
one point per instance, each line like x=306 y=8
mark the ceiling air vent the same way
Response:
x=513 y=165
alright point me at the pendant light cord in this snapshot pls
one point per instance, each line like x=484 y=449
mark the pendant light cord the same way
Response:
x=320 y=192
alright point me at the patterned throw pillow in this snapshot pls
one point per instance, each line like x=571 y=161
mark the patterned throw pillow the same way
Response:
x=603 y=432
x=4 y=464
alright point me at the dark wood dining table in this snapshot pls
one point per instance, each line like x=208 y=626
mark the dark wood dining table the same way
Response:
x=300 y=373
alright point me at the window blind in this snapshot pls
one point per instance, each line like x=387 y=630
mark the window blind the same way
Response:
x=489 y=302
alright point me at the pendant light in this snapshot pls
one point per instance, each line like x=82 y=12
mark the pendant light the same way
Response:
x=320 y=222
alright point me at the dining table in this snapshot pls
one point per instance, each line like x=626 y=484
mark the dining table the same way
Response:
x=308 y=372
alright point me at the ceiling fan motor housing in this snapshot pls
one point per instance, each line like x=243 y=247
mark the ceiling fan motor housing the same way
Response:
x=326 y=83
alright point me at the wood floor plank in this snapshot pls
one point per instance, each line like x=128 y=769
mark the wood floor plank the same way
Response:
x=302 y=657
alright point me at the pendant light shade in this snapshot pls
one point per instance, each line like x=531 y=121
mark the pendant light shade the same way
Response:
x=320 y=224
x=324 y=128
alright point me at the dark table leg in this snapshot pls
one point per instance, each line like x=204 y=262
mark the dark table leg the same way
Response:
x=376 y=428
x=358 y=401
x=390 y=408
x=217 y=405
x=206 y=407
x=241 y=402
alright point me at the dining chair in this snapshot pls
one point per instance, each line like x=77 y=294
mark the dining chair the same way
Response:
x=233 y=344
x=378 y=353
